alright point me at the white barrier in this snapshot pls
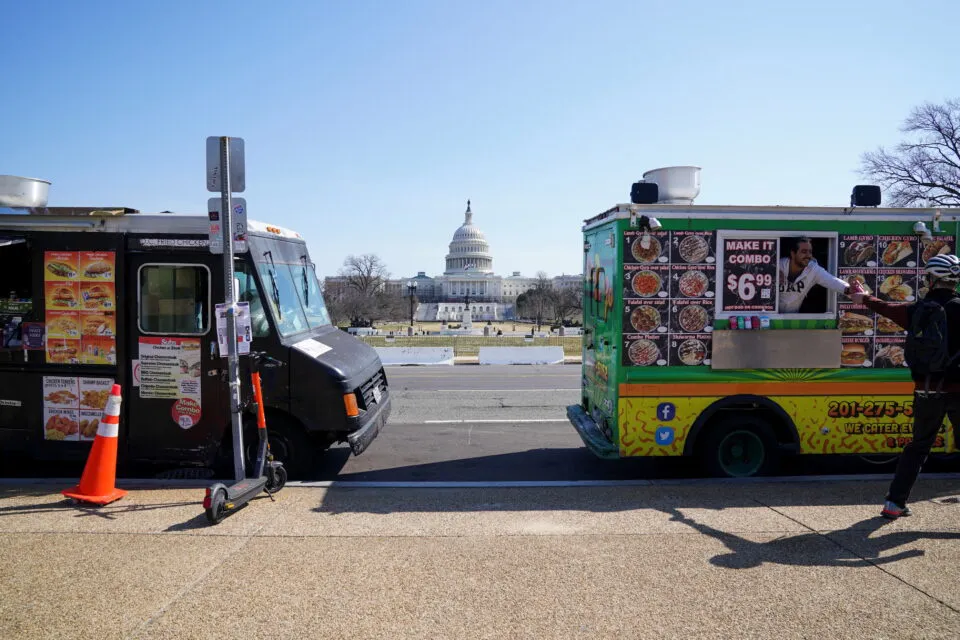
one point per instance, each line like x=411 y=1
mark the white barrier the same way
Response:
x=521 y=355
x=415 y=355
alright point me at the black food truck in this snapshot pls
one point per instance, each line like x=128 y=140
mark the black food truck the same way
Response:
x=89 y=297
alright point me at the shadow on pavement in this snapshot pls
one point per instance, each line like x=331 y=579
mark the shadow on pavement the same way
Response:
x=107 y=512
x=814 y=548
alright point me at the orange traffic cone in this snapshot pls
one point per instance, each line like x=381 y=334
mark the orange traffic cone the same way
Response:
x=100 y=473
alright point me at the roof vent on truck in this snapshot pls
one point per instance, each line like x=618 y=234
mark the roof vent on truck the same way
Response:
x=675 y=185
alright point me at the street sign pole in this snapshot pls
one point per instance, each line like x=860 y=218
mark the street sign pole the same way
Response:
x=233 y=360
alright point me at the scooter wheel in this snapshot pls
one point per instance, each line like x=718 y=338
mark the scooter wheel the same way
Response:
x=279 y=480
x=218 y=507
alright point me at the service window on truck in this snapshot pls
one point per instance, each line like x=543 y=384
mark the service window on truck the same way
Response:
x=778 y=274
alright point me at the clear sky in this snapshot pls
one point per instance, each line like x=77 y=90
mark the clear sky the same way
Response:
x=369 y=124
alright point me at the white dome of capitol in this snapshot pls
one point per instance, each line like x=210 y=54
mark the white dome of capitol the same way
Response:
x=469 y=250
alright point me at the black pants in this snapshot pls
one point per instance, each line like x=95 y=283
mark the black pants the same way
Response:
x=928 y=413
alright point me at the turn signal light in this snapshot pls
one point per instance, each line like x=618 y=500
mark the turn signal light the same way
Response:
x=350 y=402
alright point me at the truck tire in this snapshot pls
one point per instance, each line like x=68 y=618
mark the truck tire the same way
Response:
x=290 y=445
x=740 y=447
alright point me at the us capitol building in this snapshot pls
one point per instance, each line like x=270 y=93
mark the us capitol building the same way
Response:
x=469 y=279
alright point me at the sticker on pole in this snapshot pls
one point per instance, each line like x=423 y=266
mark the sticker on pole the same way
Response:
x=244 y=329
x=238 y=178
x=238 y=221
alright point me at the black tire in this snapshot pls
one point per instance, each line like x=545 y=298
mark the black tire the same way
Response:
x=218 y=507
x=279 y=480
x=739 y=447
x=289 y=444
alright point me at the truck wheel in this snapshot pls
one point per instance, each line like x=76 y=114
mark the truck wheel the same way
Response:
x=740 y=448
x=290 y=445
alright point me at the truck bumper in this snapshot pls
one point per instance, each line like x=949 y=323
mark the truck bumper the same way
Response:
x=360 y=439
x=590 y=433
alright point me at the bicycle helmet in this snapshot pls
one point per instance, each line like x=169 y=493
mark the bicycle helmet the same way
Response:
x=945 y=266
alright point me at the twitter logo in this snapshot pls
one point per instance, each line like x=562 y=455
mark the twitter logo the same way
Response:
x=664 y=436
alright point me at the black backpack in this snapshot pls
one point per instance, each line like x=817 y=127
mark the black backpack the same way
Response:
x=927 y=349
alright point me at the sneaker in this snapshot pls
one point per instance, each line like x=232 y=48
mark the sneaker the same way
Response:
x=892 y=511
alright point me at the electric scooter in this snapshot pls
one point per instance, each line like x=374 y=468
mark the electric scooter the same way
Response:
x=268 y=474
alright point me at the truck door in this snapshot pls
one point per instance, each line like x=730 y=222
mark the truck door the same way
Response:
x=177 y=407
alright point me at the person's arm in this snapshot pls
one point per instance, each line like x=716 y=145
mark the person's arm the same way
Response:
x=896 y=312
x=830 y=281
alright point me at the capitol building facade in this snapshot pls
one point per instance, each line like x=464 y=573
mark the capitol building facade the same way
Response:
x=468 y=279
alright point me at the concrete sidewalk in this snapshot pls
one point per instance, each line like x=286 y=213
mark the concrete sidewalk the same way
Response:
x=759 y=560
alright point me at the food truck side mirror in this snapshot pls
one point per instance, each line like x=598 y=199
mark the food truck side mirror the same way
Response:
x=644 y=193
x=865 y=195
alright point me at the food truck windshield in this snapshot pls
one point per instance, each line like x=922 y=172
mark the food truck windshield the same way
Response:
x=290 y=287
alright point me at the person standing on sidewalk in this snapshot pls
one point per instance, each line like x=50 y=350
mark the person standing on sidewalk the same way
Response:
x=932 y=350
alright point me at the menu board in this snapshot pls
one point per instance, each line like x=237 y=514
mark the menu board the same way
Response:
x=73 y=407
x=750 y=274
x=170 y=370
x=80 y=301
x=889 y=267
x=669 y=280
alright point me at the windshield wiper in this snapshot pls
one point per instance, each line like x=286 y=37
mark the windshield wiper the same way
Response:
x=274 y=290
x=306 y=283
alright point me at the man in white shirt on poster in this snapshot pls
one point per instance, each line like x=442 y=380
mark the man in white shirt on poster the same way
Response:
x=800 y=272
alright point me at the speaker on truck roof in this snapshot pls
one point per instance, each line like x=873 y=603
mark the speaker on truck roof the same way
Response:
x=644 y=193
x=865 y=195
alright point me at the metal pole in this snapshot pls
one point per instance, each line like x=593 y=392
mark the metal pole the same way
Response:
x=233 y=362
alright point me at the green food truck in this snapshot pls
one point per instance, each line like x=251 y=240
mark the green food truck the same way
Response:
x=698 y=343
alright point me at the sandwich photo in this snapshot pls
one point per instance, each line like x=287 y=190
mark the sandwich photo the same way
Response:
x=934 y=248
x=854 y=322
x=858 y=253
x=886 y=325
x=61 y=353
x=889 y=283
x=853 y=355
x=896 y=251
x=99 y=269
x=61 y=269
x=63 y=297
x=96 y=295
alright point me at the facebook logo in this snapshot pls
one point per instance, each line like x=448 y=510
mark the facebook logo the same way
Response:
x=666 y=411
x=664 y=436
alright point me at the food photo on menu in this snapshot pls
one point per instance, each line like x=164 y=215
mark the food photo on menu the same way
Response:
x=858 y=251
x=693 y=247
x=646 y=282
x=646 y=316
x=856 y=352
x=693 y=282
x=867 y=280
x=689 y=350
x=691 y=316
x=855 y=320
x=897 y=285
x=644 y=350
x=897 y=251
x=889 y=353
x=645 y=247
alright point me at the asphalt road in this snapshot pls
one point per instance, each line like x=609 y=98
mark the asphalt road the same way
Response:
x=507 y=423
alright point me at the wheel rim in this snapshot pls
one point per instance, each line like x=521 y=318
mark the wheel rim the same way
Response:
x=741 y=453
x=279 y=447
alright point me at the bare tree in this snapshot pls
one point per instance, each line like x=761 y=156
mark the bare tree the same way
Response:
x=924 y=170
x=567 y=302
x=364 y=297
x=367 y=273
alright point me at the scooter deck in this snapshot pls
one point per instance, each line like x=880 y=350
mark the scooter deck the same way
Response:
x=246 y=489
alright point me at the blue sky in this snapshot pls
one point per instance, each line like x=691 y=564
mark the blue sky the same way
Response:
x=369 y=124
